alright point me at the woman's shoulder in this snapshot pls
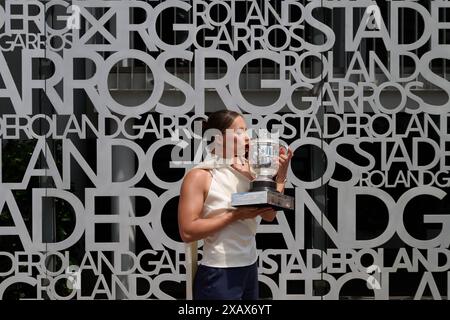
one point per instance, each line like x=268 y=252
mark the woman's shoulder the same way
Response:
x=198 y=175
x=196 y=179
x=204 y=170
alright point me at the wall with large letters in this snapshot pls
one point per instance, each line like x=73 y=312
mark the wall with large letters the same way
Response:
x=101 y=105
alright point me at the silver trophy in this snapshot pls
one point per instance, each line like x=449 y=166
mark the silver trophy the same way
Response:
x=263 y=155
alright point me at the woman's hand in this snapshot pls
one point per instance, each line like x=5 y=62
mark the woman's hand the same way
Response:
x=250 y=212
x=283 y=162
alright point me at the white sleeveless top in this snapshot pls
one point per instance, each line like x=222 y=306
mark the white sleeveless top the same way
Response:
x=235 y=244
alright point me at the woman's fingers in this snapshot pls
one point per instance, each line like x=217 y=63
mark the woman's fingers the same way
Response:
x=251 y=209
x=267 y=209
x=261 y=208
x=250 y=212
x=283 y=151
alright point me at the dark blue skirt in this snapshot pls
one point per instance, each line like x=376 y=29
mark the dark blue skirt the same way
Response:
x=236 y=283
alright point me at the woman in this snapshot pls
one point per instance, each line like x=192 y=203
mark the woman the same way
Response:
x=228 y=268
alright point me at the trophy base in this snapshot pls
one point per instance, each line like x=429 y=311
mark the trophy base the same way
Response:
x=263 y=185
x=265 y=198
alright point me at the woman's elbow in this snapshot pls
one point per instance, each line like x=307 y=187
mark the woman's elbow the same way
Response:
x=186 y=237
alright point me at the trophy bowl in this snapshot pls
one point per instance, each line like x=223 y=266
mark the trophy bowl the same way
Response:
x=263 y=160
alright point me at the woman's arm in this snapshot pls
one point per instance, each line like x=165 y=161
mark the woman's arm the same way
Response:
x=280 y=180
x=280 y=186
x=192 y=226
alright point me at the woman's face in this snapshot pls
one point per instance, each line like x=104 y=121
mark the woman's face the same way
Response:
x=236 y=140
